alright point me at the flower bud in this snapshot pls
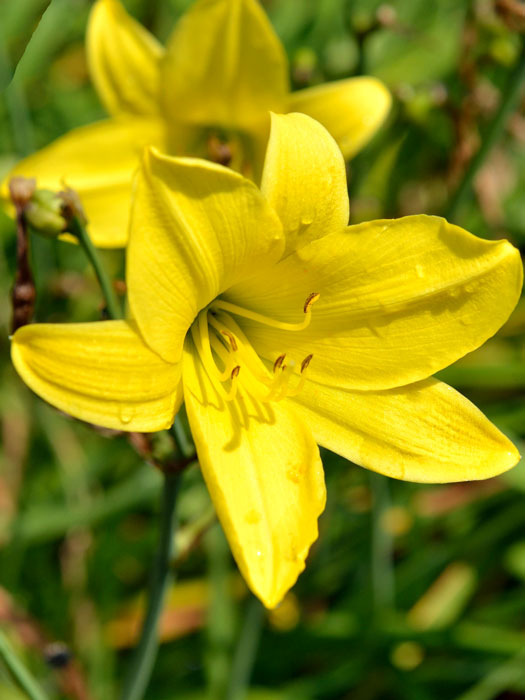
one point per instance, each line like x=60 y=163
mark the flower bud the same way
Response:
x=44 y=213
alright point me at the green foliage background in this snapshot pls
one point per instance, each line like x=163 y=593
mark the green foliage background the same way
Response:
x=412 y=592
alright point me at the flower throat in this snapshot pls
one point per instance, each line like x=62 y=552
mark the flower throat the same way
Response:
x=230 y=360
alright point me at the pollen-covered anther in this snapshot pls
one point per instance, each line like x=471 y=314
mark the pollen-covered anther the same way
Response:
x=306 y=362
x=278 y=363
x=232 y=393
x=310 y=300
x=231 y=338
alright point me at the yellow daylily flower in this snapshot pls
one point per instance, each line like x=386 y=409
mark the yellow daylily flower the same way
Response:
x=282 y=327
x=208 y=94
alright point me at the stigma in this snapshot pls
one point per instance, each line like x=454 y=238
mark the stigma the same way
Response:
x=233 y=365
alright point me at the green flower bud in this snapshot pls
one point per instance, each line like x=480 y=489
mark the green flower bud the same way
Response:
x=44 y=213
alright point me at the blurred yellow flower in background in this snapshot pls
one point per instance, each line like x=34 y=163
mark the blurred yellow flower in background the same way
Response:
x=207 y=94
x=282 y=327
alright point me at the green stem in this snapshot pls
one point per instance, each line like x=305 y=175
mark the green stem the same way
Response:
x=79 y=231
x=145 y=653
x=383 y=584
x=221 y=616
x=22 y=676
x=508 y=102
x=184 y=444
x=246 y=651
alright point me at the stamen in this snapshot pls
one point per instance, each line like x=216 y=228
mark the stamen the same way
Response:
x=206 y=347
x=219 y=304
x=243 y=348
x=312 y=298
x=278 y=363
x=300 y=385
x=229 y=346
x=279 y=390
x=306 y=362
x=231 y=338
x=234 y=383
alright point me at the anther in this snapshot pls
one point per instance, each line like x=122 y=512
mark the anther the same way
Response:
x=235 y=372
x=229 y=308
x=231 y=338
x=278 y=363
x=306 y=362
x=310 y=300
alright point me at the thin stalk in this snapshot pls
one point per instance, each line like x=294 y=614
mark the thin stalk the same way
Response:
x=221 y=616
x=19 y=672
x=23 y=295
x=508 y=103
x=246 y=651
x=145 y=653
x=77 y=229
x=383 y=585
x=184 y=444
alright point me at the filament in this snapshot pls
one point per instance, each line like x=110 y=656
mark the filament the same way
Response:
x=219 y=304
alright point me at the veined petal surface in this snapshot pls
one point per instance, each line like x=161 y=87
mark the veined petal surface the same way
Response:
x=224 y=66
x=425 y=432
x=196 y=228
x=264 y=475
x=304 y=179
x=352 y=110
x=98 y=161
x=399 y=300
x=123 y=59
x=101 y=372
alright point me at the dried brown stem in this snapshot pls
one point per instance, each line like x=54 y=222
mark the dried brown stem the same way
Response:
x=23 y=295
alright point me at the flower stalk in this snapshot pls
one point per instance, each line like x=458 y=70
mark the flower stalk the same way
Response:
x=145 y=653
x=246 y=650
x=78 y=230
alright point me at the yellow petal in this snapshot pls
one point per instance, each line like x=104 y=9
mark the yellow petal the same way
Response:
x=352 y=110
x=123 y=59
x=102 y=373
x=304 y=179
x=265 y=477
x=225 y=66
x=424 y=432
x=399 y=300
x=195 y=229
x=98 y=161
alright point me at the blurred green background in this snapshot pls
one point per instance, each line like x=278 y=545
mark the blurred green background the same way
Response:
x=412 y=592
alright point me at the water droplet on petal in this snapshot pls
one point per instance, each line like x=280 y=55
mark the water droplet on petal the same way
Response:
x=306 y=221
x=125 y=413
x=295 y=473
x=420 y=271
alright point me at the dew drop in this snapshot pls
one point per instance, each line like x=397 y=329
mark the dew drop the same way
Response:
x=420 y=272
x=295 y=473
x=306 y=221
x=259 y=553
x=125 y=413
